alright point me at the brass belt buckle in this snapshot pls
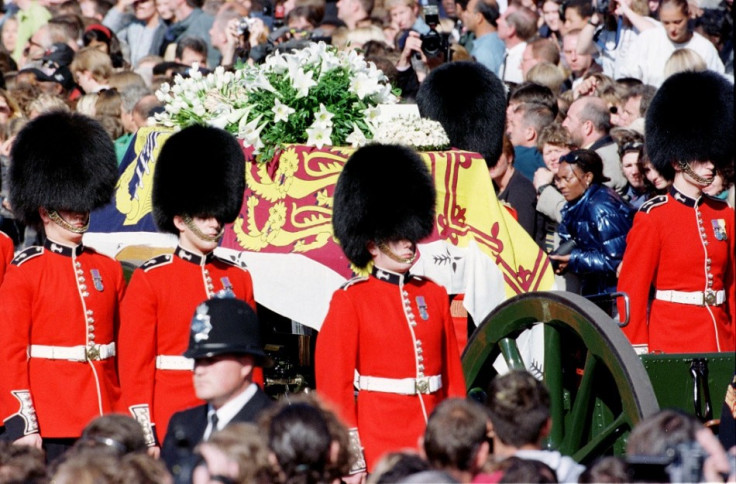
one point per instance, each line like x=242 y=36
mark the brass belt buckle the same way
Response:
x=422 y=385
x=93 y=352
x=710 y=297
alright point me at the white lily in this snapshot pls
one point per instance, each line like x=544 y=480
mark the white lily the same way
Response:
x=363 y=85
x=319 y=136
x=323 y=117
x=301 y=81
x=281 y=111
x=356 y=138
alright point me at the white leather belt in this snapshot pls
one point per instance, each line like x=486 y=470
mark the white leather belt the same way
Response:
x=402 y=386
x=73 y=353
x=172 y=362
x=697 y=298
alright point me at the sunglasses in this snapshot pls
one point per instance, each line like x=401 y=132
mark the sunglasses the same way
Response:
x=570 y=158
x=632 y=146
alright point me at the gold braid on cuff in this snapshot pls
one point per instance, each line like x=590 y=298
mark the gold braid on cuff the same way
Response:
x=356 y=452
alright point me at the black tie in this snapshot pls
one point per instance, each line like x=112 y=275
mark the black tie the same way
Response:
x=213 y=423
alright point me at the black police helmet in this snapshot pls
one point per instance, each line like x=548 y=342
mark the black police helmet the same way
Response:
x=225 y=326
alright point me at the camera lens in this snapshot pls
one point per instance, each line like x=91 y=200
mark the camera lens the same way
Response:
x=431 y=43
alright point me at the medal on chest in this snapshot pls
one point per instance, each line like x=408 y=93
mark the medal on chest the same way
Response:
x=422 y=307
x=97 y=280
x=227 y=286
x=719 y=228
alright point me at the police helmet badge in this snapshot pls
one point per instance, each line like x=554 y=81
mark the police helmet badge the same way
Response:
x=201 y=325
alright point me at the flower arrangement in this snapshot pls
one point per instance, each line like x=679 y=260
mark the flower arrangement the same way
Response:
x=422 y=134
x=316 y=96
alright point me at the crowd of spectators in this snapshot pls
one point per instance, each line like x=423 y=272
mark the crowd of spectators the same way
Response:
x=299 y=440
x=591 y=66
x=580 y=76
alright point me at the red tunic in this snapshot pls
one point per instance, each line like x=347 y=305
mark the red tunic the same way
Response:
x=368 y=330
x=667 y=249
x=6 y=254
x=62 y=297
x=156 y=315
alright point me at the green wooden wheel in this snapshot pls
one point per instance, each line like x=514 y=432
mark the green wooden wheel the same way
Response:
x=598 y=386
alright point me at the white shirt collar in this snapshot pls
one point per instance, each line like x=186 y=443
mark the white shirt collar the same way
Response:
x=228 y=411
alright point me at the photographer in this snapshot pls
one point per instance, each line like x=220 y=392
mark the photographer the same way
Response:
x=671 y=446
x=233 y=34
x=420 y=52
x=612 y=30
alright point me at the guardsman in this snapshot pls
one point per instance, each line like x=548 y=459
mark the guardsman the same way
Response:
x=225 y=344
x=198 y=187
x=59 y=304
x=682 y=243
x=392 y=328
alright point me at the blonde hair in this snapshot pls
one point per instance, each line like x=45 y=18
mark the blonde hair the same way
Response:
x=547 y=74
x=96 y=62
x=340 y=38
x=389 y=4
x=86 y=104
x=46 y=103
x=684 y=60
x=357 y=37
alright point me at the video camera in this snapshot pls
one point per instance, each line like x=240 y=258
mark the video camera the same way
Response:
x=680 y=463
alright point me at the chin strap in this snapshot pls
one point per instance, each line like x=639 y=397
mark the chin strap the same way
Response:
x=195 y=230
x=685 y=167
x=393 y=256
x=59 y=220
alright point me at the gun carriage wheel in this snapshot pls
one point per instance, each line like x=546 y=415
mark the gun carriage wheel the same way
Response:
x=598 y=386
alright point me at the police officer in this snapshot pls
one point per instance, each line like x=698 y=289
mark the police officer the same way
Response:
x=225 y=344
x=198 y=187
x=393 y=328
x=59 y=303
x=682 y=243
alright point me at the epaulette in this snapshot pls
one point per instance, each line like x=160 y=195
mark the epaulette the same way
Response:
x=353 y=281
x=158 y=261
x=26 y=255
x=653 y=202
x=232 y=262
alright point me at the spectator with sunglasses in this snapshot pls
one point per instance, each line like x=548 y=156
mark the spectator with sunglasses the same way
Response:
x=595 y=218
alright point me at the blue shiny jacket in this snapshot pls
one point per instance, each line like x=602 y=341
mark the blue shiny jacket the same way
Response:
x=598 y=222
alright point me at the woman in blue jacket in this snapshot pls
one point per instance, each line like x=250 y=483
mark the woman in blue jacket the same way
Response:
x=595 y=218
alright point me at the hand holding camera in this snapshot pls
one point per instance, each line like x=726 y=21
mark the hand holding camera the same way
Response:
x=560 y=257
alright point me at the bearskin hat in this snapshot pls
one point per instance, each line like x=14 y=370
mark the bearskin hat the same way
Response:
x=200 y=171
x=61 y=161
x=691 y=119
x=469 y=101
x=384 y=192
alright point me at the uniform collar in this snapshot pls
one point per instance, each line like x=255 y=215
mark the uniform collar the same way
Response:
x=684 y=199
x=189 y=256
x=65 y=250
x=390 y=276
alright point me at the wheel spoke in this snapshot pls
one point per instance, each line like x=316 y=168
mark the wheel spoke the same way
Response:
x=553 y=381
x=510 y=352
x=580 y=415
x=603 y=439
